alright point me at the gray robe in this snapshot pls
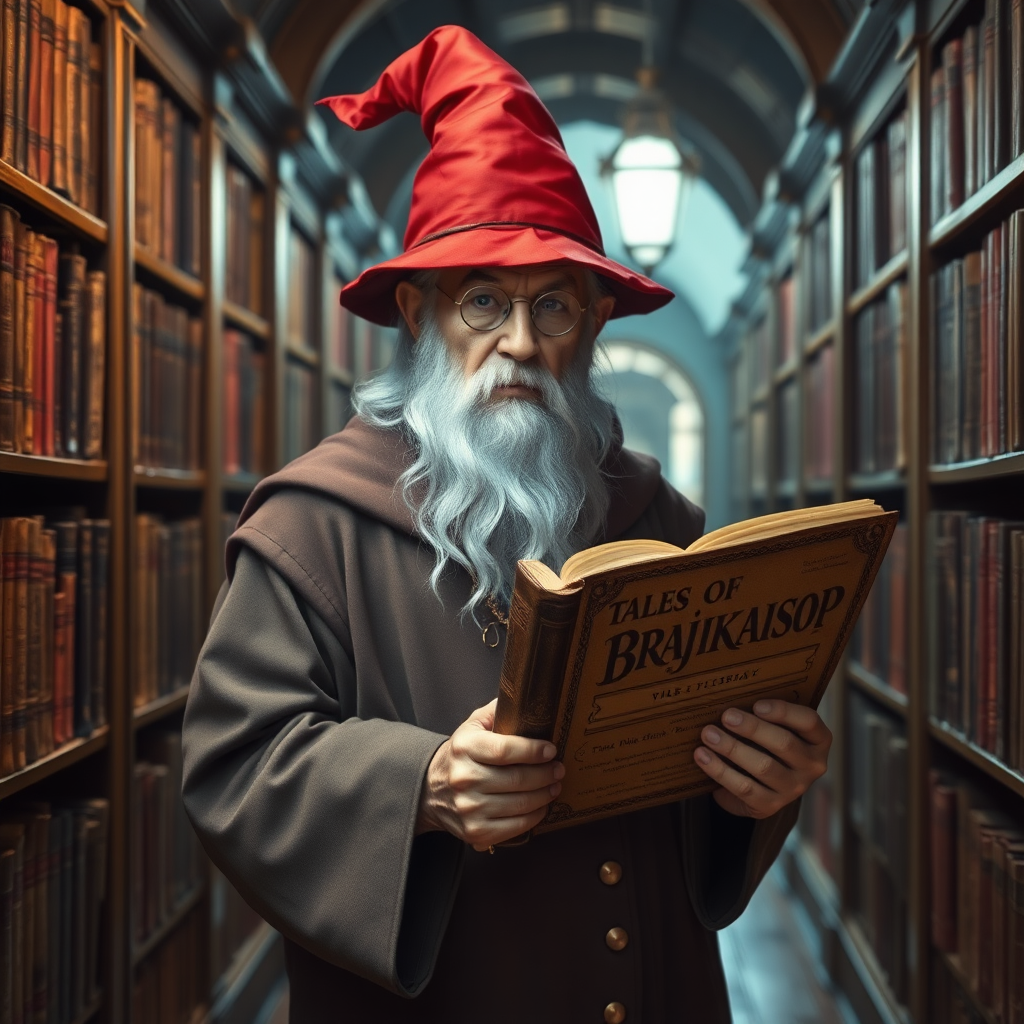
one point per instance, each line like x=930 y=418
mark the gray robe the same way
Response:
x=330 y=676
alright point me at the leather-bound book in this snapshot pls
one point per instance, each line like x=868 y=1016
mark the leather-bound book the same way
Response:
x=100 y=618
x=67 y=588
x=232 y=344
x=20 y=331
x=170 y=120
x=970 y=91
x=943 y=866
x=8 y=622
x=937 y=164
x=12 y=837
x=194 y=394
x=953 y=106
x=6 y=934
x=35 y=597
x=60 y=657
x=72 y=106
x=137 y=372
x=46 y=31
x=93 y=111
x=16 y=562
x=637 y=645
x=33 y=323
x=49 y=346
x=71 y=284
x=9 y=220
x=146 y=106
x=8 y=88
x=49 y=629
x=21 y=86
x=1016 y=83
x=53 y=900
x=35 y=19
x=57 y=406
x=83 y=631
x=94 y=363
x=79 y=911
x=1000 y=85
x=59 y=173
x=37 y=259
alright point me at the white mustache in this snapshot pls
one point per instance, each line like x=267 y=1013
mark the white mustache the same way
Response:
x=501 y=372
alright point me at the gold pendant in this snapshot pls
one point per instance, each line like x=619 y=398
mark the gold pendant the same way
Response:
x=497 y=634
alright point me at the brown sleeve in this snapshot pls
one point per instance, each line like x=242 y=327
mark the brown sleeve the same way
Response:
x=308 y=809
x=725 y=856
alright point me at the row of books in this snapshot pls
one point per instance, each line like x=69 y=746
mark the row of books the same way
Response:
x=52 y=94
x=301 y=427
x=976 y=625
x=977 y=116
x=168 y=863
x=880 y=353
x=53 y=634
x=978 y=369
x=52 y=345
x=818 y=273
x=171 y=983
x=168 y=604
x=879 y=806
x=244 y=404
x=168 y=179
x=786 y=315
x=880 y=639
x=245 y=243
x=302 y=292
x=167 y=376
x=881 y=202
x=977 y=894
x=821 y=431
x=53 y=871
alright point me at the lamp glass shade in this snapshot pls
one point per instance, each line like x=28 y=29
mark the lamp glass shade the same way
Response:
x=650 y=181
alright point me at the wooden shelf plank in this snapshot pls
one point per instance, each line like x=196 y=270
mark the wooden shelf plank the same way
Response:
x=892 y=271
x=978 y=469
x=887 y=480
x=175 y=479
x=244 y=319
x=820 y=338
x=46 y=465
x=988 y=199
x=339 y=376
x=980 y=758
x=159 y=708
x=302 y=354
x=69 y=754
x=786 y=371
x=174 y=277
x=241 y=483
x=56 y=206
x=143 y=949
x=876 y=982
x=818 y=881
x=877 y=688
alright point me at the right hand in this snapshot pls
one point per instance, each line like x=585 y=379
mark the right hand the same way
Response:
x=484 y=787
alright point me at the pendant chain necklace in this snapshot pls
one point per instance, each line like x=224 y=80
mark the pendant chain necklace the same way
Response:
x=490 y=635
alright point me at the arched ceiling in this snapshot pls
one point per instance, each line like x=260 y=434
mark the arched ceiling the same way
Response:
x=734 y=70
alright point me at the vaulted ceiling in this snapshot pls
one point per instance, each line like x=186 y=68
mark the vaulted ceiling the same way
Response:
x=734 y=70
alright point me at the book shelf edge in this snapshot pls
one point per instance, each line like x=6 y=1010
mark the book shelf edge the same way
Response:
x=145 y=948
x=70 y=753
x=978 y=756
x=160 y=708
x=245 y=320
x=180 y=281
x=876 y=687
x=886 y=275
x=43 y=198
x=94 y=470
x=990 y=468
x=976 y=207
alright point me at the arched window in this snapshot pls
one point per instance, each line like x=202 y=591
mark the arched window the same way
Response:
x=660 y=412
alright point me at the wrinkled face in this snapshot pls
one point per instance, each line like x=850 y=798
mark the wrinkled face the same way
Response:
x=519 y=337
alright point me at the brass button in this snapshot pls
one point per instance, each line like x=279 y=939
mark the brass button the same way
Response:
x=611 y=872
x=614 y=1013
x=617 y=938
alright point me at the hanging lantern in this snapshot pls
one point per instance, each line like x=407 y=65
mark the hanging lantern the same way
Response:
x=652 y=175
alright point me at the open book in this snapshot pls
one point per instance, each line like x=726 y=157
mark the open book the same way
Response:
x=623 y=657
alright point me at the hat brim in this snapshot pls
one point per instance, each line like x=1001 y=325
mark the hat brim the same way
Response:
x=372 y=294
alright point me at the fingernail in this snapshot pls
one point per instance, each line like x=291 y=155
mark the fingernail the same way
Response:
x=559 y=771
x=555 y=789
x=712 y=735
x=764 y=707
x=732 y=717
x=703 y=757
x=549 y=751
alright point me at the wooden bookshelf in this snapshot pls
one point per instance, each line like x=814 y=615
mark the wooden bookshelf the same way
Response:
x=63 y=469
x=174 y=278
x=158 y=709
x=143 y=949
x=885 y=276
x=54 y=206
x=245 y=320
x=994 y=468
x=878 y=689
x=63 y=757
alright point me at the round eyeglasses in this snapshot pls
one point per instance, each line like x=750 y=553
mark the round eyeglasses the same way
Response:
x=486 y=307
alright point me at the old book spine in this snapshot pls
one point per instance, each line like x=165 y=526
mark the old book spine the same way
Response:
x=540 y=625
x=952 y=57
x=1000 y=86
x=194 y=206
x=12 y=837
x=59 y=172
x=988 y=104
x=194 y=394
x=32 y=332
x=40 y=824
x=35 y=18
x=8 y=81
x=49 y=347
x=93 y=109
x=83 y=631
x=98 y=626
x=19 y=679
x=38 y=388
x=20 y=331
x=142 y=175
x=8 y=595
x=46 y=92
x=72 y=102
x=6 y=935
x=1016 y=82
x=970 y=90
x=79 y=936
x=60 y=654
x=137 y=372
x=1015 y=939
x=67 y=587
x=34 y=645
x=94 y=376
x=71 y=284
x=21 y=86
x=9 y=220
x=57 y=405
x=943 y=826
x=53 y=898
x=937 y=187
x=49 y=628
x=169 y=180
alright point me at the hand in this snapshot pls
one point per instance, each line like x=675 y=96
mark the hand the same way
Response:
x=486 y=788
x=794 y=744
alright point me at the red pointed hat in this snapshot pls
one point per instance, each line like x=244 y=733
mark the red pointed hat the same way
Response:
x=497 y=188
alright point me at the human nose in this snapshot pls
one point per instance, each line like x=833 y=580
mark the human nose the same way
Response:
x=517 y=338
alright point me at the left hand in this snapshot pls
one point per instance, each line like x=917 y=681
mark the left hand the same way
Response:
x=794 y=744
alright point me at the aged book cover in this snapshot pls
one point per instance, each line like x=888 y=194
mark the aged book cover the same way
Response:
x=8 y=87
x=623 y=658
x=9 y=220
x=59 y=173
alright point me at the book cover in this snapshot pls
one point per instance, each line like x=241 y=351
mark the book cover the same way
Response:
x=22 y=16
x=71 y=284
x=46 y=36
x=8 y=81
x=84 y=640
x=34 y=84
x=59 y=174
x=93 y=369
x=20 y=331
x=9 y=221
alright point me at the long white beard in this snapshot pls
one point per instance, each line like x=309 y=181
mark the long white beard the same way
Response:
x=494 y=481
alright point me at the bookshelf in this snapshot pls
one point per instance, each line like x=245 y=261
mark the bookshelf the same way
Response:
x=876 y=919
x=179 y=145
